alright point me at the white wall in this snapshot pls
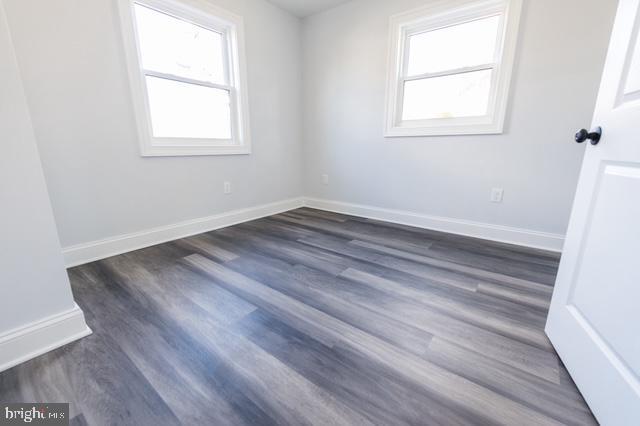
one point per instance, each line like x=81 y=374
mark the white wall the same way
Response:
x=72 y=60
x=33 y=281
x=559 y=61
x=316 y=92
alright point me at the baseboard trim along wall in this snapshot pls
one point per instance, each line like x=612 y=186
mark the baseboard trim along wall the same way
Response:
x=32 y=340
x=499 y=233
x=89 y=252
x=96 y=250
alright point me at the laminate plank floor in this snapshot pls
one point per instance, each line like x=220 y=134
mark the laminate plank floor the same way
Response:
x=311 y=318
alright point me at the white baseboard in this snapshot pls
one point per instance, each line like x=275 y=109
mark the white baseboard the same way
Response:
x=503 y=234
x=96 y=250
x=25 y=343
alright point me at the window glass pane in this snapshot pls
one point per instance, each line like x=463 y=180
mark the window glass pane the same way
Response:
x=458 y=95
x=181 y=110
x=173 y=46
x=465 y=45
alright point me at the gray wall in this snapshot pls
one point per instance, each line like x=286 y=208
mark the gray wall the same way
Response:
x=72 y=60
x=33 y=281
x=559 y=61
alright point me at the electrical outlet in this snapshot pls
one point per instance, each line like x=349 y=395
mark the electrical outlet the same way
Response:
x=325 y=179
x=497 y=195
x=227 y=187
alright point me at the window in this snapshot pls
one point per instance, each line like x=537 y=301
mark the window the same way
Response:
x=187 y=77
x=451 y=67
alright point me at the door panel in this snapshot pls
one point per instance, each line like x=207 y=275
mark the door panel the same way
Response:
x=594 y=318
x=631 y=80
x=608 y=227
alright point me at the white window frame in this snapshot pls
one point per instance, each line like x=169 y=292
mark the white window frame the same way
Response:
x=210 y=17
x=440 y=15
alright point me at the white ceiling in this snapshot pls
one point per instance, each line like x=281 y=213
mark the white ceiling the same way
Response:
x=304 y=8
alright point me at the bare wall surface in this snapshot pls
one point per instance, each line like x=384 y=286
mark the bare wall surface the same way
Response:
x=33 y=281
x=559 y=61
x=72 y=61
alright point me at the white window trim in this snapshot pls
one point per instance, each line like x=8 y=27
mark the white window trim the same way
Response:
x=208 y=16
x=438 y=15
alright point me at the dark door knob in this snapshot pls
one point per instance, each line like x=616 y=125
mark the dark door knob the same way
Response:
x=594 y=136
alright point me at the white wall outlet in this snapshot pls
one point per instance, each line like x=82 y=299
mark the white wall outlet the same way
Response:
x=227 y=187
x=325 y=179
x=497 y=195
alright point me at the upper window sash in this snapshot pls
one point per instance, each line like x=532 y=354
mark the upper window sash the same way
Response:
x=435 y=25
x=207 y=22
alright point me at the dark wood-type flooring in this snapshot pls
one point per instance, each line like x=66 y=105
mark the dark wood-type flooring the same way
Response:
x=310 y=317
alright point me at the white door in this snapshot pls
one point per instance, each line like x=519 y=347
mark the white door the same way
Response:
x=594 y=320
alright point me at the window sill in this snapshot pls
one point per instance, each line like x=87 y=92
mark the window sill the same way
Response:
x=459 y=130
x=190 y=151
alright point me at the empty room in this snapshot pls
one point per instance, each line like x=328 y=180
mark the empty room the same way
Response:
x=320 y=212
